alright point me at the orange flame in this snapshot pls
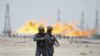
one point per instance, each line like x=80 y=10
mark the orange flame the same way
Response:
x=31 y=27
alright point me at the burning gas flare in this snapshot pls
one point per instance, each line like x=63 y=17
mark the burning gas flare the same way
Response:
x=31 y=27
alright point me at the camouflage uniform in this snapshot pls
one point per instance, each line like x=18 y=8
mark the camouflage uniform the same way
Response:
x=41 y=44
x=50 y=41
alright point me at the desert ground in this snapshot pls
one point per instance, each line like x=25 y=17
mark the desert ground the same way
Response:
x=27 y=47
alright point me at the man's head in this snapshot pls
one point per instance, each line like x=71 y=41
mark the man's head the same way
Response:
x=49 y=29
x=41 y=29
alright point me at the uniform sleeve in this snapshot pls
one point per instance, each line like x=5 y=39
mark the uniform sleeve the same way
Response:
x=36 y=38
x=56 y=41
x=54 y=38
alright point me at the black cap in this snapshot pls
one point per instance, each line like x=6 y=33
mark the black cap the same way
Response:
x=40 y=28
x=49 y=28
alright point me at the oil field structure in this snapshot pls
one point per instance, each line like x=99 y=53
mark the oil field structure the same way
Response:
x=97 y=34
x=7 y=26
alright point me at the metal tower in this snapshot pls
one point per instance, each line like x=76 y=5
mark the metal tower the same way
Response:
x=97 y=22
x=82 y=21
x=58 y=14
x=7 y=27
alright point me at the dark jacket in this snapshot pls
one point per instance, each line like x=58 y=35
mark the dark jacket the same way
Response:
x=39 y=38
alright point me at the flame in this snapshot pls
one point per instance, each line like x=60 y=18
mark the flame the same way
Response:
x=57 y=28
x=30 y=27
x=71 y=29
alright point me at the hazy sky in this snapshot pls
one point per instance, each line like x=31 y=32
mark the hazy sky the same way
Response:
x=46 y=10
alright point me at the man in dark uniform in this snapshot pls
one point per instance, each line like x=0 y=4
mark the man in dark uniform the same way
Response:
x=50 y=41
x=41 y=43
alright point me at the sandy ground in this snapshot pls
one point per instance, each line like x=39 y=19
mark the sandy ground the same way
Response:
x=19 y=47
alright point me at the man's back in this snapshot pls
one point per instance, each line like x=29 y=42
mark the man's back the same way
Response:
x=50 y=40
